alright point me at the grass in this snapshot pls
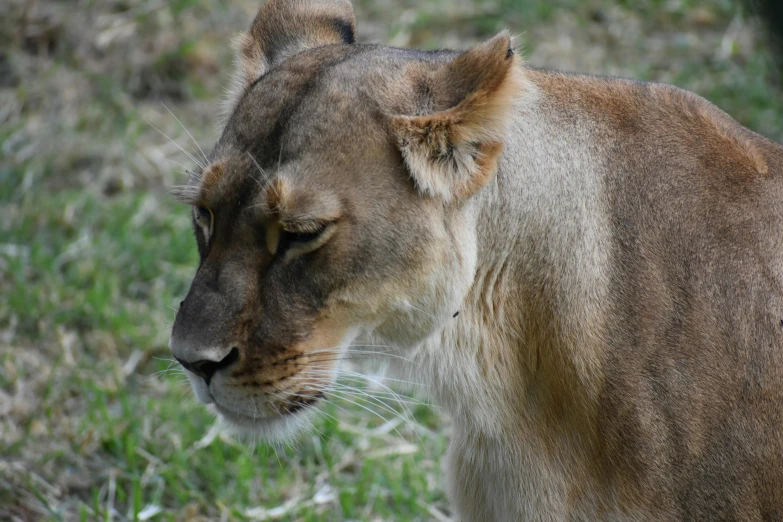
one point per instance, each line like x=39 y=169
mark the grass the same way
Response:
x=95 y=422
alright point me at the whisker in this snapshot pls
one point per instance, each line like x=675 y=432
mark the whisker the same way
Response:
x=352 y=350
x=280 y=155
x=171 y=369
x=419 y=310
x=355 y=403
x=359 y=394
x=385 y=378
x=356 y=392
x=277 y=456
x=333 y=403
x=358 y=377
x=194 y=160
x=345 y=389
x=255 y=407
x=403 y=403
x=329 y=415
x=406 y=415
x=259 y=170
x=206 y=160
x=360 y=346
x=162 y=373
x=346 y=357
x=177 y=163
x=388 y=393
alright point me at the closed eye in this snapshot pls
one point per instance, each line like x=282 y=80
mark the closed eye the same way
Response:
x=287 y=238
x=295 y=243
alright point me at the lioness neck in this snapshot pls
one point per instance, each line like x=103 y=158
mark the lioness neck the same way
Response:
x=532 y=322
x=521 y=368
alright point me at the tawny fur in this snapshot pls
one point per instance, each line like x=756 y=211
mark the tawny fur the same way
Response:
x=614 y=249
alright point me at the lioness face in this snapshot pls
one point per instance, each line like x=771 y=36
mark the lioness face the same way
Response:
x=333 y=206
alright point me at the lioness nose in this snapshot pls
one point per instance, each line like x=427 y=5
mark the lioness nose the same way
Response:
x=206 y=368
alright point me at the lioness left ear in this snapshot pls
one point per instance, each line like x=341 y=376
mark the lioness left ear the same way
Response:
x=283 y=28
x=453 y=153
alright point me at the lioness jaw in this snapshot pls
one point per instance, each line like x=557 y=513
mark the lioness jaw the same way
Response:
x=614 y=249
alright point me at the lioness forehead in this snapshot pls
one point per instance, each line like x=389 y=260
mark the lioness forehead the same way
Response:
x=322 y=110
x=311 y=103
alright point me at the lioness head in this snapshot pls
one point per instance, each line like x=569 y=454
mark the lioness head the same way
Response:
x=336 y=204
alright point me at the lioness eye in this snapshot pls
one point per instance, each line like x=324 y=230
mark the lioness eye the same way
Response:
x=202 y=215
x=300 y=237
x=295 y=243
x=203 y=219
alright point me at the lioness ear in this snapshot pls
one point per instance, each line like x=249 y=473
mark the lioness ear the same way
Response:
x=453 y=153
x=283 y=28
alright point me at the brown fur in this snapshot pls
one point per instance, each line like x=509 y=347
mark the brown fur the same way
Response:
x=614 y=248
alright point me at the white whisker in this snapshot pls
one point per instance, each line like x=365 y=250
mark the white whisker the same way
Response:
x=345 y=389
x=193 y=159
x=353 y=350
x=419 y=309
x=375 y=399
x=178 y=163
x=355 y=376
x=355 y=403
x=361 y=394
x=206 y=160
x=259 y=170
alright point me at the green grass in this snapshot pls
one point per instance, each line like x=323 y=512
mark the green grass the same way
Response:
x=94 y=264
x=95 y=421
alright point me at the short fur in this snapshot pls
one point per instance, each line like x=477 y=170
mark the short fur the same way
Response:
x=614 y=249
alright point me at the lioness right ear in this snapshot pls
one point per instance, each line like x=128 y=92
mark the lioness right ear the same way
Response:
x=283 y=28
x=453 y=153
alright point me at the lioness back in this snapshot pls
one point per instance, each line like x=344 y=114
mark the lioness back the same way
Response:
x=614 y=250
x=690 y=412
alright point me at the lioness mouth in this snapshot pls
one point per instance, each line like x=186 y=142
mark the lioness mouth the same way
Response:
x=283 y=408
x=303 y=402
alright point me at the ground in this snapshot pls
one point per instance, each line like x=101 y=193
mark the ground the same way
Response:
x=95 y=421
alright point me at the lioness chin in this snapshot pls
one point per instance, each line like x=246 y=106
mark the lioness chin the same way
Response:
x=614 y=249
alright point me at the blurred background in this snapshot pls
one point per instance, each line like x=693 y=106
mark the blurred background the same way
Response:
x=95 y=421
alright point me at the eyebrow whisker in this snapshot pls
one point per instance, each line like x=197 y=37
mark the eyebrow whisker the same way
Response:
x=261 y=170
x=206 y=160
x=189 y=155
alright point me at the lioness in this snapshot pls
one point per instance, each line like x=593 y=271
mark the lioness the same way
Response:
x=614 y=250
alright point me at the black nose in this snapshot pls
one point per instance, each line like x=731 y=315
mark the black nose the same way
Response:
x=206 y=369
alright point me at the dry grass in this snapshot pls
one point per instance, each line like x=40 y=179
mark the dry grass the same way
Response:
x=95 y=423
